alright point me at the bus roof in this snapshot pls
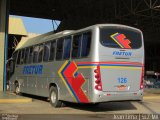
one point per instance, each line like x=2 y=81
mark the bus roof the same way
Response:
x=52 y=35
x=41 y=38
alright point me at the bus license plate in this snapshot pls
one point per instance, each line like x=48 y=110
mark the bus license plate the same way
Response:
x=122 y=88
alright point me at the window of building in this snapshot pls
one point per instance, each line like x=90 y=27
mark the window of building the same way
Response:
x=67 y=48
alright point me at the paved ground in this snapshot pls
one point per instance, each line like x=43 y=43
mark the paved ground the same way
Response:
x=8 y=97
x=40 y=106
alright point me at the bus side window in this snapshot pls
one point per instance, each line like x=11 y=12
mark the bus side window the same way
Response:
x=35 y=54
x=30 y=55
x=67 y=48
x=52 y=50
x=15 y=56
x=46 y=52
x=22 y=57
x=76 y=46
x=19 y=57
x=40 y=53
x=86 y=43
x=26 y=55
x=59 y=50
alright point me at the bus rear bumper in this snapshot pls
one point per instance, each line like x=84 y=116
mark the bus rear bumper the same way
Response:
x=118 y=96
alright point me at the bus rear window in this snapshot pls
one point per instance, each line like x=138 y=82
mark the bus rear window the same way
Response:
x=124 y=38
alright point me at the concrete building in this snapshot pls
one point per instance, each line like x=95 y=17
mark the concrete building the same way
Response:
x=3 y=39
x=16 y=32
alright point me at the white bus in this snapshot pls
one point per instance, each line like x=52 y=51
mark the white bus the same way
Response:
x=100 y=63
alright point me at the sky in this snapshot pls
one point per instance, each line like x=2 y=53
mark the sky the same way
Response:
x=37 y=25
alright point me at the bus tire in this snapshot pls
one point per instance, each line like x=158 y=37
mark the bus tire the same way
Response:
x=53 y=96
x=17 y=89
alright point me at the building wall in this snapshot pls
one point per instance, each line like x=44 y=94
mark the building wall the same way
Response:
x=2 y=39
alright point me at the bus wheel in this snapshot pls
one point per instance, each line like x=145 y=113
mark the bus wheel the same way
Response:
x=17 y=89
x=53 y=96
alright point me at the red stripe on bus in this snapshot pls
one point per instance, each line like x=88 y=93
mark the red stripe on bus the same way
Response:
x=128 y=63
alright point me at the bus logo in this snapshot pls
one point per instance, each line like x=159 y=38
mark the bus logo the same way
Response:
x=33 y=70
x=122 y=53
x=121 y=40
x=73 y=81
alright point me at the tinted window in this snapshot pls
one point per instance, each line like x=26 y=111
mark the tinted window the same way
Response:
x=26 y=55
x=86 y=43
x=46 y=52
x=40 y=53
x=117 y=37
x=35 y=54
x=30 y=55
x=67 y=48
x=19 y=57
x=59 y=50
x=15 y=56
x=22 y=56
x=76 y=46
x=52 y=50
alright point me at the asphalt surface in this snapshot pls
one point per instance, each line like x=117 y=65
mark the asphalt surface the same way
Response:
x=40 y=109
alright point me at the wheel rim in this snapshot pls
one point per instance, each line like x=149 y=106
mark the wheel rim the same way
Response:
x=53 y=97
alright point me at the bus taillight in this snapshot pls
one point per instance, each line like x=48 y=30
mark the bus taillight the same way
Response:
x=142 y=77
x=98 y=81
x=141 y=85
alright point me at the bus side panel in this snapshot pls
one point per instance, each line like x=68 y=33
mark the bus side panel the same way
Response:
x=74 y=82
x=42 y=86
x=87 y=84
x=21 y=79
x=23 y=83
x=51 y=77
x=32 y=85
x=11 y=83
